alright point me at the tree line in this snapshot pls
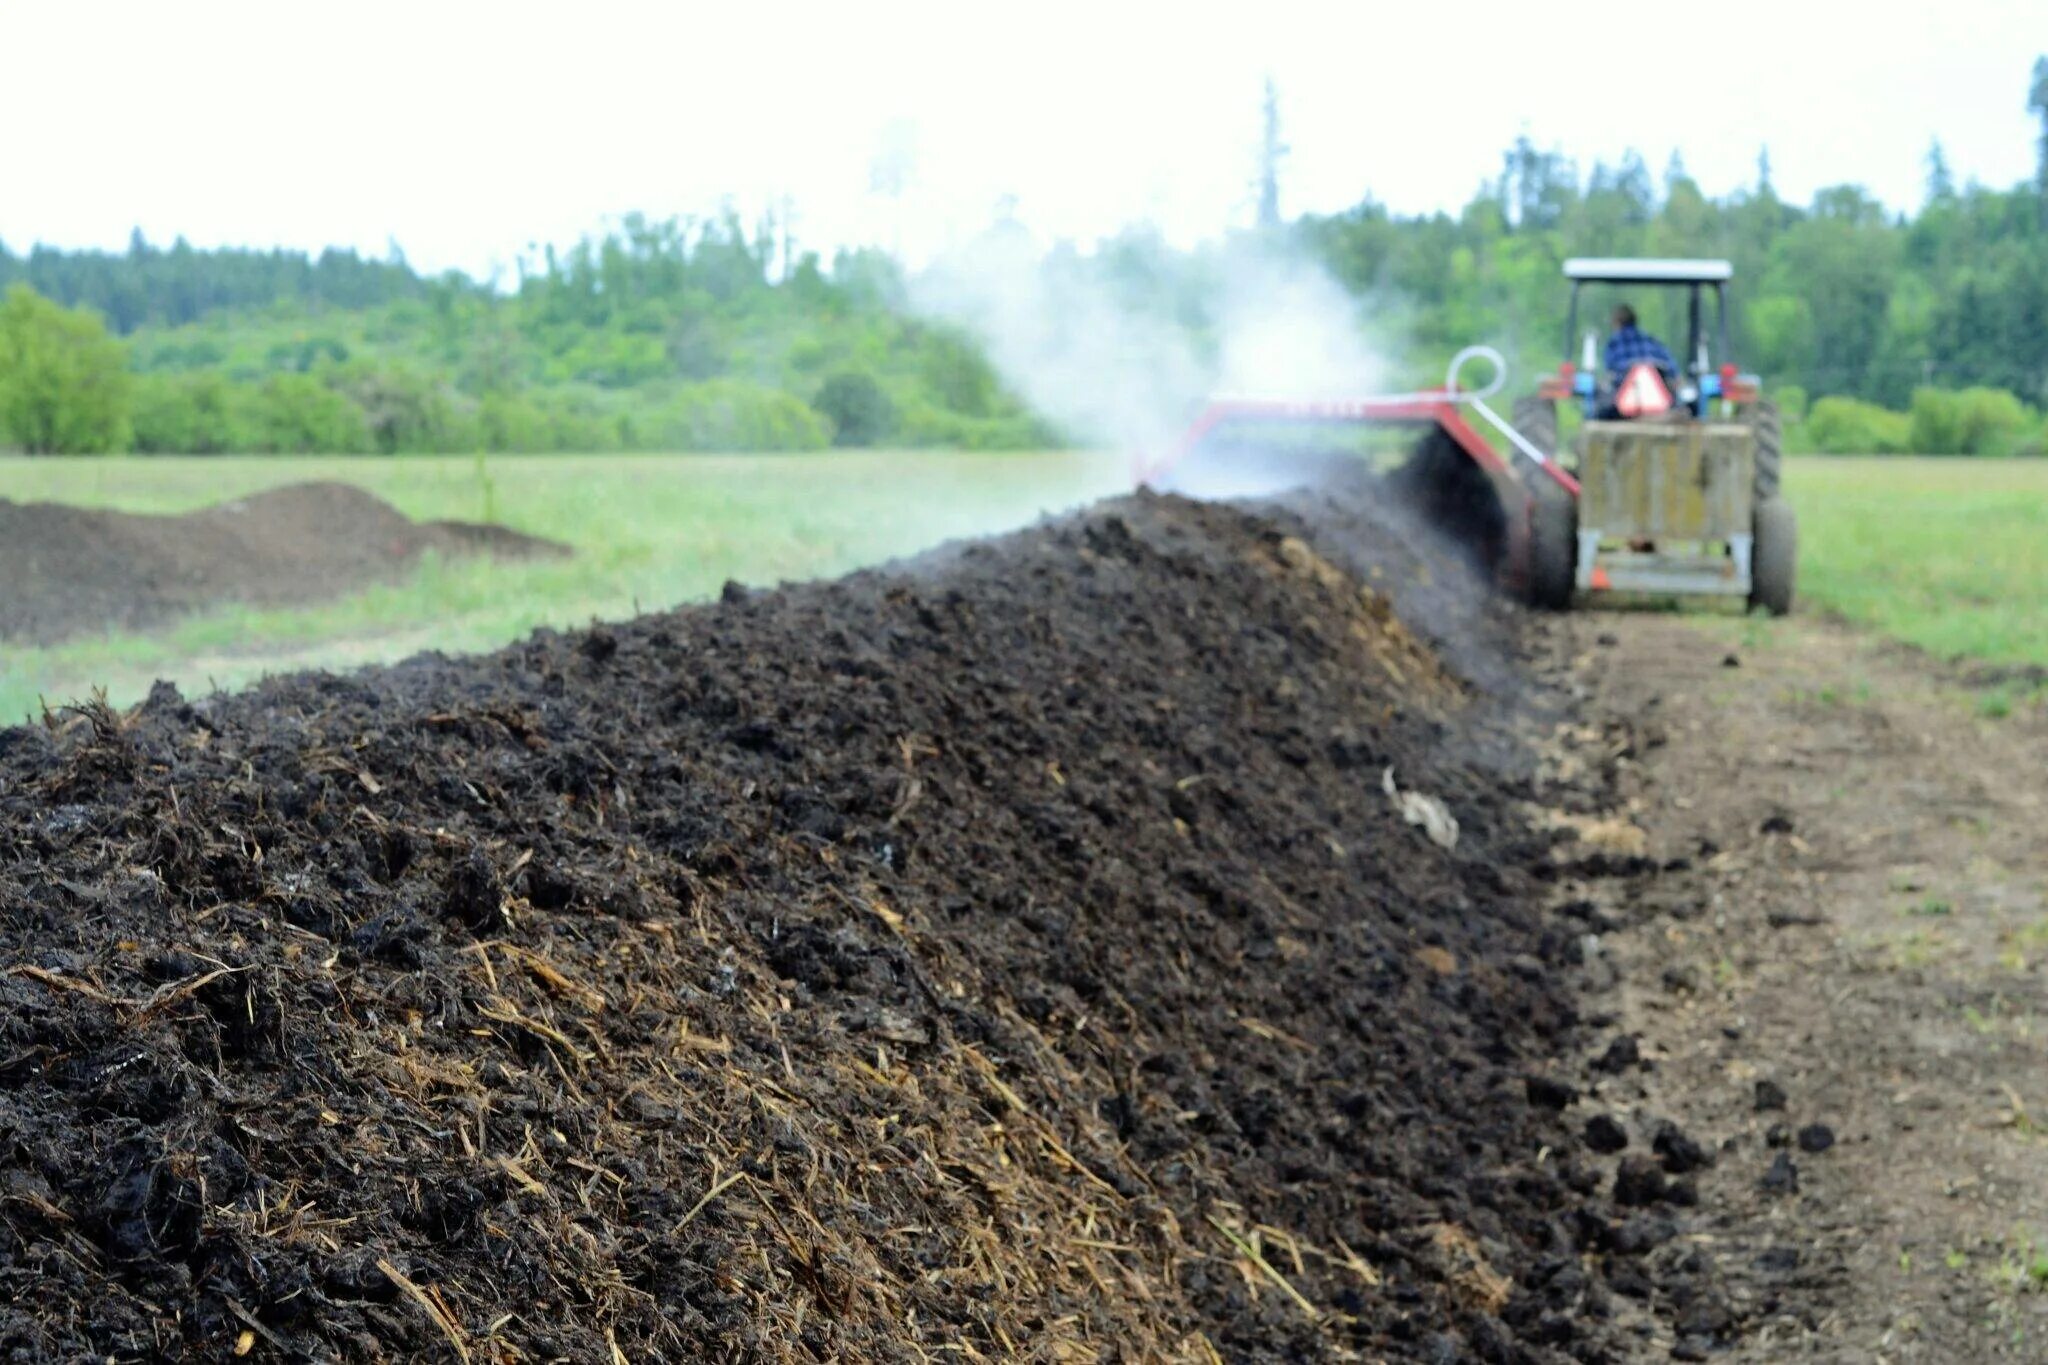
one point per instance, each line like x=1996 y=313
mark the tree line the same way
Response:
x=170 y=286
x=1876 y=330
x=657 y=335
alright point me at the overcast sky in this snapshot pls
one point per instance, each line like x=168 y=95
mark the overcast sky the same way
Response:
x=465 y=133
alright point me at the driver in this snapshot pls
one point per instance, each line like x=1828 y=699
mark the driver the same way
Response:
x=1630 y=346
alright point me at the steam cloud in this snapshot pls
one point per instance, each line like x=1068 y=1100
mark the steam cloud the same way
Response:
x=1127 y=358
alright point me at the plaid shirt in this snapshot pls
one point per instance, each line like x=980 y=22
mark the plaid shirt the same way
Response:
x=1632 y=345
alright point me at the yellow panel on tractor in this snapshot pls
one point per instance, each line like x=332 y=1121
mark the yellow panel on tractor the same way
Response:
x=1667 y=506
x=1687 y=481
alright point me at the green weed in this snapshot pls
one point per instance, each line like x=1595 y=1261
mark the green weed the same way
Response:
x=2022 y=1269
x=1920 y=948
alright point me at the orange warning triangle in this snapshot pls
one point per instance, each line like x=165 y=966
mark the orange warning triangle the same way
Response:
x=1642 y=392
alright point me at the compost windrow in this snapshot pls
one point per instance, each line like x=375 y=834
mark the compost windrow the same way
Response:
x=73 y=571
x=1017 y=954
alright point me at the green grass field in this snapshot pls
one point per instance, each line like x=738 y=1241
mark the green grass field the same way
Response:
x=1951 y=555
x=1947 y=554
x=649 y=532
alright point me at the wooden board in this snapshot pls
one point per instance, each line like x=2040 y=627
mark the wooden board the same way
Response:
x=1666 y=480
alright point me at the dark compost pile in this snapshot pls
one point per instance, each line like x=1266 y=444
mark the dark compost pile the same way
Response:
x=1015 y=956
x=74 y=570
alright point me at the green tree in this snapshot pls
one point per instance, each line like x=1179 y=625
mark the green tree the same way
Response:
x=1537 y=188
x=64 y=383
x=2037 y=105
x=405 y=411
x=1272 y=151
x=959 y=376
x=859 y=410
x=296 y=414
x=730 y=414
x=189 y=414
x=1941 y=182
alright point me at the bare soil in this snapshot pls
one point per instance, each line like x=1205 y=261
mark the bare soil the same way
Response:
x=72 y=570
x=1829 y=956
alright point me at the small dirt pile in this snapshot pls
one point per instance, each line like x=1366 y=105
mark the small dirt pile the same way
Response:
x=1029 y=954
x=73 y=570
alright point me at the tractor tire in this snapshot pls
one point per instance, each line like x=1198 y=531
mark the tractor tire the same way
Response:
x=1770 y=446
x=1553 y=545
x=1536 y=419
x=1774 y=558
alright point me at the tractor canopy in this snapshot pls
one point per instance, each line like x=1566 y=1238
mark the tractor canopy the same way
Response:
x=1626 y=270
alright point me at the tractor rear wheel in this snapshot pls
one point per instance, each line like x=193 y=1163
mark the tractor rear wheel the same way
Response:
x=1536 y=419
x=1553 y=544
x=1774 y=557
x=1770 y=444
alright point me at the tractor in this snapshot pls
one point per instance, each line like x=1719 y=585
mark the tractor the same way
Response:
x=1670 y=488
x=1678 y=469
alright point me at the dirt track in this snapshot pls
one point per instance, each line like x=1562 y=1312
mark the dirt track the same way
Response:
x=1857 y=921
x=71 y=571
